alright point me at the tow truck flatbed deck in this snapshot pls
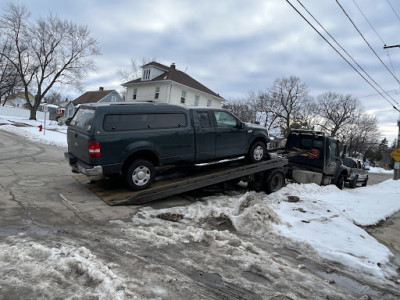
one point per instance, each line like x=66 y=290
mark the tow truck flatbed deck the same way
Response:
x=119 y=194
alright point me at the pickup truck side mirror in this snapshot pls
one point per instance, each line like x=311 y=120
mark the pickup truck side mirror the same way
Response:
x=241 y=125
x=68 y=121
x=344 y=151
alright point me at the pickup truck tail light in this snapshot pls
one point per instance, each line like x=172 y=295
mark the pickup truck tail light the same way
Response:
x=94 y=149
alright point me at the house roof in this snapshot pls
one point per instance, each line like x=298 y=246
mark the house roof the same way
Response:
x=92 y=96
x=21 y=95
x=171 y=73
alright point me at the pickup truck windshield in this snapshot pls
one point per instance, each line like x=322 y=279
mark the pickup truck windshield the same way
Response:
x=83 y=118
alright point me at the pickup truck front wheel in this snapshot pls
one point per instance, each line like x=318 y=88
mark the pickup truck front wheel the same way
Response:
x=257 y=152
x=140 y=174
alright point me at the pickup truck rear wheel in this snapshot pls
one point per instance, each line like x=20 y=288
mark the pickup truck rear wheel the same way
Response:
x=257 y=152
x=140 y=174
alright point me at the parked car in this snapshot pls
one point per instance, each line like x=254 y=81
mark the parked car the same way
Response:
x=358 y=172
x=134 y=138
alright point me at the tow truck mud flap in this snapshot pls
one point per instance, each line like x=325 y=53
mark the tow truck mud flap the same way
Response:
x=115 y=192
x=303 y=176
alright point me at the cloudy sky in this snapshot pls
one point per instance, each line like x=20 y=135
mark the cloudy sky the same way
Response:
x=234 y=47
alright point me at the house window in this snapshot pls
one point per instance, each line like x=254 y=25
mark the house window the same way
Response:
x=157 y=93
x=208 y=103
x=134 y=94
x=183 y=97
x=146 y=74
x=113 y=99
x=196 y=100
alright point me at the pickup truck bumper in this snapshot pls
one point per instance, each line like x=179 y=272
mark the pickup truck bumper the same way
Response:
x=79 y=167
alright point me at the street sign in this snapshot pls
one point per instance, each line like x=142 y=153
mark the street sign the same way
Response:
x=396 y=154
x=397 y=165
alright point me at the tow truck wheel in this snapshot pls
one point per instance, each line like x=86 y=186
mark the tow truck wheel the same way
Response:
x=140 y=174
x=340 y=182
x=257 y=152
x=275 y=181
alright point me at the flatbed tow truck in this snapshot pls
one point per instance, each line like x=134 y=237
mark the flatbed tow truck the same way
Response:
x=268 y=176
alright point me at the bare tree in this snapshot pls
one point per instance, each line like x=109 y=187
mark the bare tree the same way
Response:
x=46 y=52
x=334 y=111
x=53 y=97
x=9 y=79
x=240 y=108
x=289 y=102
x=134 y=70
x=360 y=135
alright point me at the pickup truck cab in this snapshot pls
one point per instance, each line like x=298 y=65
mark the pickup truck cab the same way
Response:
x=358 y=172
x=134 y=138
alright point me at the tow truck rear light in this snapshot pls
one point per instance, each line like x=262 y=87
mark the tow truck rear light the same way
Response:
x=94 y=149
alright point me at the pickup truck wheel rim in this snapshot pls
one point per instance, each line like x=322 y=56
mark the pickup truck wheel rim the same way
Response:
x=141 y=175
x=258 y=153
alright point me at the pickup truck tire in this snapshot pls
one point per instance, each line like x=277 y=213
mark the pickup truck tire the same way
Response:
x=353 y=183
x=365 y=182
x=275 y=181
x=257 y=152
x=140 y=174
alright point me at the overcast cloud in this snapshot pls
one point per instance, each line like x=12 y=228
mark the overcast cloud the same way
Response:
x=234 y=47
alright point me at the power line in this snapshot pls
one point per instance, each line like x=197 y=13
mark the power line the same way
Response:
x=383 y=42
x=390 y=4
x=337 y=43
x=344 y=11
x=368 y=22
x=316 y=30
x=391 y=91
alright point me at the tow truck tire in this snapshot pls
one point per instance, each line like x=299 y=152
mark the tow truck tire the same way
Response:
x=340 y=182
x=275 y=181
x=140 y=174
x=257 y=152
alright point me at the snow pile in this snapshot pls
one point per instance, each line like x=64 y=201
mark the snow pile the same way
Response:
x=327 y=219
x=63 y=270
x=379 y=170
x=324 y=217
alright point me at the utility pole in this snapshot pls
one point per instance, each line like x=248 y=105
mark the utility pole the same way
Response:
x=396 y=174
x=396 y=153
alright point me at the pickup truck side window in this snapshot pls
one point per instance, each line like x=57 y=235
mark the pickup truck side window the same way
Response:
x=83 y=118
x=119 y=122
x=204 y=119
x=225 y=119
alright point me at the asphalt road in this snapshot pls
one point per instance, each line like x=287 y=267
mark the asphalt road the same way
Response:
x=41 y=201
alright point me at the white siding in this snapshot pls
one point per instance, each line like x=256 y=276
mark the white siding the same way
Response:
x=172 y=95
x=146 y=92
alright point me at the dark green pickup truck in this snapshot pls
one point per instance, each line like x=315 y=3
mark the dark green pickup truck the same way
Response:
x=134 y=138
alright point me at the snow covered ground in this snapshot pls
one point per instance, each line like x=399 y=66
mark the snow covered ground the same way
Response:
x=325 y=219
x=51 y=134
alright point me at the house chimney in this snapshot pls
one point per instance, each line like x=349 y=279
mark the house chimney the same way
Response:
x=173 y=66
x=101 y=88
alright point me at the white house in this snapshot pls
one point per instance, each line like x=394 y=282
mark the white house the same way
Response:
x=163 y=84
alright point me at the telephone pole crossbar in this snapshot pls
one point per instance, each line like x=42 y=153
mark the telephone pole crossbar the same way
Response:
x=394 y=46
